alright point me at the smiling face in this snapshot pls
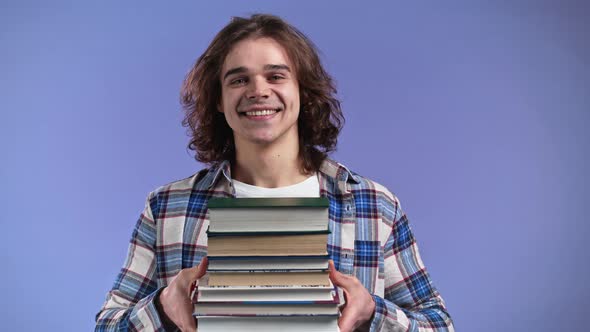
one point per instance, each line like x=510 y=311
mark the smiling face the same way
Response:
x=260 y=93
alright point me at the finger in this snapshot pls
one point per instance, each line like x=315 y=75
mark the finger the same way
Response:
x=199 y=270
x=192 y=325
x=346 y=295
x=202 y=268
x=343 y=301
x=332 y=269
x=338 y=278
x=346 y=321
x=195 y=273
x=188 y=324
x=331 y=266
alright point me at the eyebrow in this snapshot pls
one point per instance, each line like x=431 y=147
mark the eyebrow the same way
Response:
x=239 y=70
x=277 y=67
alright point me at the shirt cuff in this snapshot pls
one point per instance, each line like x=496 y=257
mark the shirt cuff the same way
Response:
x=166 y=321
x=145 y=315
x=379 y=315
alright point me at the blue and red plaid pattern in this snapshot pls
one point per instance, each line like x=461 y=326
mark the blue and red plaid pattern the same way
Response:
x=370 y=238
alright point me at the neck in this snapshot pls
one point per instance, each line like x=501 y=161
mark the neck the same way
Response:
x=268 y=166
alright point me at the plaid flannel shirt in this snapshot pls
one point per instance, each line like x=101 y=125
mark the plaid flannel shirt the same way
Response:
x=370 y=239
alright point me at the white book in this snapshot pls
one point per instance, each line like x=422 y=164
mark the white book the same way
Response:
x=268 y=324
x=277 y=307
x=206 y=293
x=268 y=263
x=264 y=294
x=263 y=310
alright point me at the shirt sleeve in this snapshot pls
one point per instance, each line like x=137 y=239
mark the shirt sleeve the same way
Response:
x=130 y=304
x=411 y=302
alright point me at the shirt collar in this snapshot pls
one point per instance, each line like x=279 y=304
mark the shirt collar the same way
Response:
x=329 y=168
x=337 y=171
x=218 y=171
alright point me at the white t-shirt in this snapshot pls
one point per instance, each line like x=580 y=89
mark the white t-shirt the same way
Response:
x=310 y=187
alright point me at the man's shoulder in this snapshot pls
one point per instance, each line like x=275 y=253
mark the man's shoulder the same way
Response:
x=365 y=184
x=371 y=194
x=361 y=184
x=185 y=186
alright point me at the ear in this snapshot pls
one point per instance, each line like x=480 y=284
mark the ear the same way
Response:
x=219 y=108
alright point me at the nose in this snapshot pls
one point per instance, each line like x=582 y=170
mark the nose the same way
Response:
x=258 y=88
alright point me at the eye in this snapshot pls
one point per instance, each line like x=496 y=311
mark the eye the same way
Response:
x=238 y=81
x=276 y=77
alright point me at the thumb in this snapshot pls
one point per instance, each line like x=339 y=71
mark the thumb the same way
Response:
x=202 y=267
x=195 y=273
x=338 y=278
x=198 y=271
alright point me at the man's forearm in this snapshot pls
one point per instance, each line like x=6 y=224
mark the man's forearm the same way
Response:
x=139 y=317
x=431 y=316
x=166 y=321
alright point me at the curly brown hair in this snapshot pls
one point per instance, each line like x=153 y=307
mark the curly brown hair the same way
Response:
x=320 y=118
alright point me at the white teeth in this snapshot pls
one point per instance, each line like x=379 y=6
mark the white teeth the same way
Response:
x=260 y=113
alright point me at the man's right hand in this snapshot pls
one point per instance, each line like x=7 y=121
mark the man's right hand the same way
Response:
x=175 y=299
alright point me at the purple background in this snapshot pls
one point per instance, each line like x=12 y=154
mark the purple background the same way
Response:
x=475 y=115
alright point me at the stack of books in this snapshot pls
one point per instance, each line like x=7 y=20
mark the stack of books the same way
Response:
x=268 y=267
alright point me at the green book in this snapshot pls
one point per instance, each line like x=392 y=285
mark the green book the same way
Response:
x=293 y=214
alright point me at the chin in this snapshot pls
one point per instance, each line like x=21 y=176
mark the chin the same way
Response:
x=263 y=141
x=262 y=137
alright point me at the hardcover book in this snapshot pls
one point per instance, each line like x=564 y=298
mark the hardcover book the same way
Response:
x=268 y=214
x=268 y=267
x=267 y=244
x=258 y=263
x=267 y=324
x=270 y=278
x=273 y=307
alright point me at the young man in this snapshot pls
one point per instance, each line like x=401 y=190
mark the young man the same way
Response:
x=263 y=115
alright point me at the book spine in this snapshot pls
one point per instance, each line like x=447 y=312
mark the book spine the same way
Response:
x=277 y=258
x=256 y=203
x=265 y=233
x=270 y=271
x=221 y=314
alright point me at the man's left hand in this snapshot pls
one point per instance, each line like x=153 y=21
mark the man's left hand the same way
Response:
x=360 y=306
